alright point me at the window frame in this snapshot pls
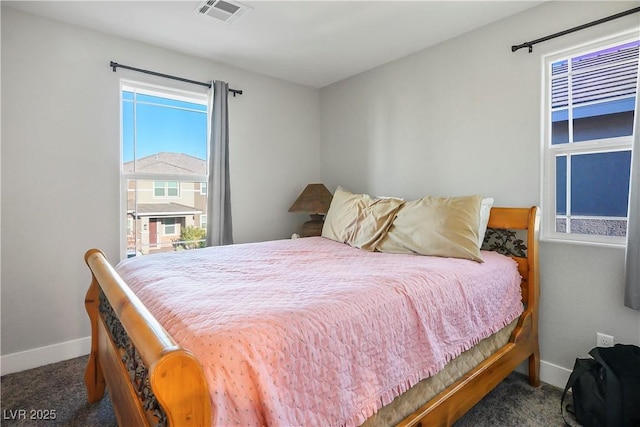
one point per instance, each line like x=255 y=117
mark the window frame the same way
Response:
x=550 y=151
x=164 y=92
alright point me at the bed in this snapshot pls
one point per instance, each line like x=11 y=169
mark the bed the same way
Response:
x=154 y=380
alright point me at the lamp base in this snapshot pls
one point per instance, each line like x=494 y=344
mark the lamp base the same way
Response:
x=313 y=227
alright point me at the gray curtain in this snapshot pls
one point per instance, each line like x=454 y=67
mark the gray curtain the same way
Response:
x=632 y=261
x=219 y=229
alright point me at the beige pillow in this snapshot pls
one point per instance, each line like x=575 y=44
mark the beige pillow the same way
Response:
x=438 y=226
x=358 y=219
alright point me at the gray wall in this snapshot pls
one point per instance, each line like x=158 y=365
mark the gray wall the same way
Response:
x=463 y=117
x=60 y=163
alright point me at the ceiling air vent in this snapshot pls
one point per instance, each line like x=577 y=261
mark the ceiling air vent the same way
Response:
x=224 y=10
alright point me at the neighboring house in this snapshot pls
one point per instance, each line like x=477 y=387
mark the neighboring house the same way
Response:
x=157 y=210
x=601 y=95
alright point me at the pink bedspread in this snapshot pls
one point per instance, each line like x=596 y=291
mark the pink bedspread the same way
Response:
x=314 y=332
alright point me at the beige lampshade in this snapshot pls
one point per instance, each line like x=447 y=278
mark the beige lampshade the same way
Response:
x=314 y=199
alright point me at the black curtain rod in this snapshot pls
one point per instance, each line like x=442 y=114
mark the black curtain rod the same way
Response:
x=115 y=65
x=571 y=30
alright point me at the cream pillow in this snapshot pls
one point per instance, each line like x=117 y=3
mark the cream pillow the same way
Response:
x=485 y=212
x=358 y=219
x=437 y=226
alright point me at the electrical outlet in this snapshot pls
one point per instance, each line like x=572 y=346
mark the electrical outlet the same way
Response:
x=603 y=340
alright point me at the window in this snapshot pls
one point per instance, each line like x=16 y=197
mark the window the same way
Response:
x=164 y=162
x=169 y=226
x=166 y=189
x=203 y=222
x=590 y=97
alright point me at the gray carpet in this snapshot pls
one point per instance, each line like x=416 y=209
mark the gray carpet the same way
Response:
x=60 y=388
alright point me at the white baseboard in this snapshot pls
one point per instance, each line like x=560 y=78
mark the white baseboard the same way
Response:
x=549 y=373
x=41 y=356
x=554 y=374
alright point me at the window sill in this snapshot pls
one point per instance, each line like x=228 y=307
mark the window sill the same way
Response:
x=615 y=244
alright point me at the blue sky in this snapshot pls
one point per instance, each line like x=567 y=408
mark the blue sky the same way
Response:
x=163 y=125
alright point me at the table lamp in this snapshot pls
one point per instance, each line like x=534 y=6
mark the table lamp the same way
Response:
x=315 y=200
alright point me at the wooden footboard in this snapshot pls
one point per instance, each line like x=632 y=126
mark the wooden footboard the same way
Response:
x=153 y=381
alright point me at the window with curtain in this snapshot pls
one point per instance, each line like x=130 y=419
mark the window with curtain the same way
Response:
x=164 y=168
x=589 y=110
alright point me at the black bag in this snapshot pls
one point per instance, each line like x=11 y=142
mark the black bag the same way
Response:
x=606 y=389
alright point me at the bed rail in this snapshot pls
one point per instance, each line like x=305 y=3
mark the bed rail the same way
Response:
x=453 y=402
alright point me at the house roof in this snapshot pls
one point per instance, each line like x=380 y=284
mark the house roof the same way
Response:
x=161 y=209
x=169 y=163
x=610 y=74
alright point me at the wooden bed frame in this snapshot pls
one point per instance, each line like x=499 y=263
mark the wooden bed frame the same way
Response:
x=153 y=381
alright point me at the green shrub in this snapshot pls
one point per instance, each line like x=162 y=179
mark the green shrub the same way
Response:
x=191 y=238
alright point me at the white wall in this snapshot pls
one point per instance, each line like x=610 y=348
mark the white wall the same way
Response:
x=60 y=166
x=463 y=117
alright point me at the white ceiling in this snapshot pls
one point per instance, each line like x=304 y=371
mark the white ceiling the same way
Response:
x=314 y=43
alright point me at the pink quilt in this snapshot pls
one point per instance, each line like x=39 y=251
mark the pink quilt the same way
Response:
x=315 y=332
